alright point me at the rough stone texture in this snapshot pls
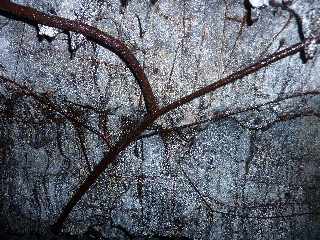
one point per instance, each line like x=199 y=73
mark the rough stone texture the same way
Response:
x=252 y=175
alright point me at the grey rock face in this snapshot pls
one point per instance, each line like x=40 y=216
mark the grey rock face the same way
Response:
x=252 y=173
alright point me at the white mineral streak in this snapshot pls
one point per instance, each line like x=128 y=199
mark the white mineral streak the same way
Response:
x=48 y=31
x=259 y=3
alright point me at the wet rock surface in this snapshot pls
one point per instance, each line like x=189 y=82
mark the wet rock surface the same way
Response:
x=252 y=174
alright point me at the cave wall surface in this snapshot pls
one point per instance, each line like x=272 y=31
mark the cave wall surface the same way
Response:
x=251 y=174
